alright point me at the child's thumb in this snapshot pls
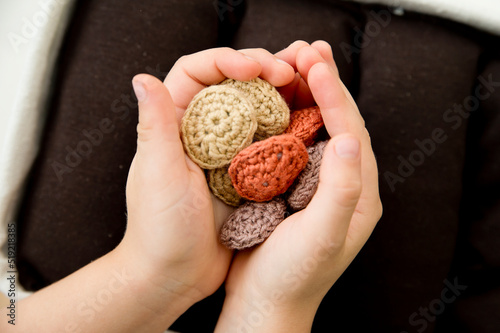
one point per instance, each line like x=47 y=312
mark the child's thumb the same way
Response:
x=158 y=140
x=331 y=209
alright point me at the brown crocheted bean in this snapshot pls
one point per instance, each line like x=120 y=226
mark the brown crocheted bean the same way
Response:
x=306 y=183
x=252 y=223
x=271 y=110
x=305 y=124
x=218 y=123
x=267 y=168
x=221 y=186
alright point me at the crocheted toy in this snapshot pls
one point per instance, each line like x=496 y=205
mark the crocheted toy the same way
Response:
x=258 y=156
x=267 y=168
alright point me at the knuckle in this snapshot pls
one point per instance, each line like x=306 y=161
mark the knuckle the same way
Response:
x=373 y=210
x=334 y=246
x=321 y=43
x=254 y=51
x=144 y=133
x=224 y=49
x=300 y=43
x=260 y=51
x=181 y=61
x=349 y=193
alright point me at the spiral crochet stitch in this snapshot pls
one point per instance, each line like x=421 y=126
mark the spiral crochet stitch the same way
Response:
x=221 y=186
x=306 y=183
x=267 y=168
x=218 y=123
x=271 y=110
x=252 y=223
x=305 y=124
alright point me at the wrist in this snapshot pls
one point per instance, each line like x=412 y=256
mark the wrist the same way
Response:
x=274 y=314
x=151 y=285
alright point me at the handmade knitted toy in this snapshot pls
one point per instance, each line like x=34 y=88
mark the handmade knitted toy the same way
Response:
x=258 y=156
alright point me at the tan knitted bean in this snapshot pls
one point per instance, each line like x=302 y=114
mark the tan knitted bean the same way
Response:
x=272 y=112
x=221 y=186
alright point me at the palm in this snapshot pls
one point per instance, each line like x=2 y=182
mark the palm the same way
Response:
x=264 y=268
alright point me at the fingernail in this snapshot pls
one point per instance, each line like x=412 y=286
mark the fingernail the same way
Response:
x=281 y=61
x=140 y=90
x=347 y=148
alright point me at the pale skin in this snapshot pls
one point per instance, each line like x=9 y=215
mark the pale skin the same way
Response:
x=170 y=257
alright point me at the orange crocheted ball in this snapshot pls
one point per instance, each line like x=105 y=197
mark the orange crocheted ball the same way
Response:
x=267 y=168
x=305 y=123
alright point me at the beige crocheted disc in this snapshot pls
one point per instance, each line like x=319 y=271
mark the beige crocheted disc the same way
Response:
x=272 y=112
x=221 y=186
x=218 y=123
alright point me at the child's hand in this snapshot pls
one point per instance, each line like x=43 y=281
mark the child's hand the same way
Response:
x=279 y=285
x=172 y=230
x=170 y=256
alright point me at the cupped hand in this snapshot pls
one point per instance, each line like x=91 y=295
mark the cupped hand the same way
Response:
x=173 y=220
x=295 y=267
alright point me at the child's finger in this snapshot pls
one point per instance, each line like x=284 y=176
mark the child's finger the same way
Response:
x=289 y=54
x=326 y=52
x=274 y=70
x=158 y=143
x=307 y=57
x=340 y=115
x=331 y=209
x=302 y=57
x=192 y=73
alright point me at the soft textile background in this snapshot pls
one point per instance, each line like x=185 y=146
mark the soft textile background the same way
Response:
x=440 y=223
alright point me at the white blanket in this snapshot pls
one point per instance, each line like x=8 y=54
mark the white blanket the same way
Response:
x=32 y=32
x=481 y=14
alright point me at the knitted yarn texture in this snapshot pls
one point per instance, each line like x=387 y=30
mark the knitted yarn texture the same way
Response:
x=271 y=110
x=253 y=149
x=306 y=183
x=267 y=168
x=252 y=223
x=221 y=186
x=218 y=123
x=305 y=124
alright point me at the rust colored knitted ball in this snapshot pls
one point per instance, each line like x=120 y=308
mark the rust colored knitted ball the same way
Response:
x=305 y=124
x=306 y=184
x=218 y=123
x=252 y=223
x=271 y=110
x=221 y=186
x=267 y=168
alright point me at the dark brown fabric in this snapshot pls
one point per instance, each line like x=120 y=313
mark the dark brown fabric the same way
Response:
x=477 y=257
x=273 y=25
x=409 y=74
x=74 y=210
